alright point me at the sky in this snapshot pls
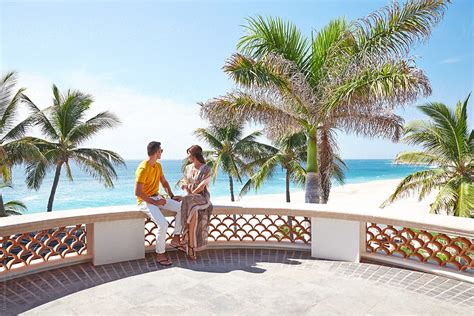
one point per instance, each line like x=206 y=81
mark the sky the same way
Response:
x=150 y=62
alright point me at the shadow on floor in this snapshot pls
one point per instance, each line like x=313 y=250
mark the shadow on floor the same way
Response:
x=24 y=293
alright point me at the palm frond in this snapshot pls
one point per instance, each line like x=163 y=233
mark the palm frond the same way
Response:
x=273 y=35
x=465 y=199
x=265 y=171
x=85 y=131
x=207 y=136
x=243 y=107
x=326 y=47
x=99 y=163
x=445 y=200
x=415 y=182
x=392 y=31
x=14 y=208
x=420 y=158
x=35 y=173
x=392 y=83
x=41 y=118
x=9 y=112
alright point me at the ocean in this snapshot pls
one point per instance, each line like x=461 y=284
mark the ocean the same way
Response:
x=84 y=191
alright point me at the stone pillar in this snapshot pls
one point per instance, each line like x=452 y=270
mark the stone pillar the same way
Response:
x=116 y=241
x=335 y=239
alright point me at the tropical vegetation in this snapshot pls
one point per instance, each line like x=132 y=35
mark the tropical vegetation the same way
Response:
x=348 y=76
x=448 y=148
x=14 y=147
x=232 y=152
x=11 y=207
x=289 y=153
x=66 y=129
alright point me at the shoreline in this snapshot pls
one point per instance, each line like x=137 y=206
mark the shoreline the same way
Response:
x=371 y=194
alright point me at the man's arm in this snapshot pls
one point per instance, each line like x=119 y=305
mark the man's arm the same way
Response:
x=139 y=193
x=166 y=186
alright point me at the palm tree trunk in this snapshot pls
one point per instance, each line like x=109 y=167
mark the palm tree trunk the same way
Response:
x=3 y=213
x=231 y=188
x=55 y=186
x=313 y=179
x=290 y=218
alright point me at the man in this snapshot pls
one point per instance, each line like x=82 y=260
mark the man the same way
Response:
x=149 y=175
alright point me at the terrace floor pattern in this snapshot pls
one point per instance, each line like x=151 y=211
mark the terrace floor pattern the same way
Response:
x=238 y=281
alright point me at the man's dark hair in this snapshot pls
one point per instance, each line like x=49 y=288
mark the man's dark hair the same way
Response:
x=153 y=147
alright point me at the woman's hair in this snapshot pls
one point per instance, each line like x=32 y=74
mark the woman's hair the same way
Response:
x=196 y=151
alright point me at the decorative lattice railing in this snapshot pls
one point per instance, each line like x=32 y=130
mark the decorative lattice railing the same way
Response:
x=42 y=247
x=43 y=241
x=422 y=246
x=247 y=228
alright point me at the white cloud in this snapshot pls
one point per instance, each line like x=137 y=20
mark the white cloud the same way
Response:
x=451 y=60
x=144 y=117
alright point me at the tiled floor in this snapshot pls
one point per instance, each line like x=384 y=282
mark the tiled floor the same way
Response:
x=235 y=281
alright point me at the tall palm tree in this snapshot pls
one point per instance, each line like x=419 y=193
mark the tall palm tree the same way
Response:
x=231 y=151
x=449 y=148
x=349 y=76
x=66 y=129
x=14 y=147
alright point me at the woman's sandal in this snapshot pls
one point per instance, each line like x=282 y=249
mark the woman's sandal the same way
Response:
x=179 y=246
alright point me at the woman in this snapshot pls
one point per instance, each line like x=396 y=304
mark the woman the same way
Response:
x=196 y=207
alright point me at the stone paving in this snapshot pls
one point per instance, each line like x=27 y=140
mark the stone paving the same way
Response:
x=245 y=281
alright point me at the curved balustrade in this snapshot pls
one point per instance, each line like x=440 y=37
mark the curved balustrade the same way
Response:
x=439 y=244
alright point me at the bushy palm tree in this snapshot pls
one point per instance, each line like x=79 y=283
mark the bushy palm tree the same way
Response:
x=231 y=151
x=349 y=76
x=448 y=145
x=14 y=147
x=11 y=207
x=66 y=129
x=289 y=153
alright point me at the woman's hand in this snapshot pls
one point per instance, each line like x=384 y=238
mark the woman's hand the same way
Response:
x=178 y=198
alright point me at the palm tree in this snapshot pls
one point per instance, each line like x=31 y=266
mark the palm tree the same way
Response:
x=14 y=147
x=349 y=76
x=231 y=152
x=449 y=148
x=65 y=129
x=12 y=207
x=289 y=154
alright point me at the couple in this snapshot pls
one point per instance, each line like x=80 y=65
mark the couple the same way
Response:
x=192 y=210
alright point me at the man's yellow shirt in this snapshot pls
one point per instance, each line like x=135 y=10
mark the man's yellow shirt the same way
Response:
x=150 y=177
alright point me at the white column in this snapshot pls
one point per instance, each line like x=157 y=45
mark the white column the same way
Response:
x=117 y=241
x=335 y=239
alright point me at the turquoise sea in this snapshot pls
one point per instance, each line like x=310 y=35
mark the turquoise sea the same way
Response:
x=86 y=192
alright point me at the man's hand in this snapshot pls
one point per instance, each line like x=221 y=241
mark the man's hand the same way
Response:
x=160 y=202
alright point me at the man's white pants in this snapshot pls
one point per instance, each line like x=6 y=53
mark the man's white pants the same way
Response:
x=160 y=220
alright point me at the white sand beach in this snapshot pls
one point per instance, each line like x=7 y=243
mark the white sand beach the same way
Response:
x=370 y=194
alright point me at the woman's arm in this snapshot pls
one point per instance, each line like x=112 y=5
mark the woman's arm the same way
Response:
x=201 y=185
